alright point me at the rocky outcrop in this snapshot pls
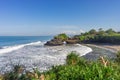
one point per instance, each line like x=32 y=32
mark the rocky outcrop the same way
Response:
x=57 y=41
x=72 y=41
x=54 y=42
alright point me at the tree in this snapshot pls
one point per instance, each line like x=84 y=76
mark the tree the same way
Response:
x=62 y=37
x=92 y=31
x=118 y=32
x=101 y=31
x=110 y=31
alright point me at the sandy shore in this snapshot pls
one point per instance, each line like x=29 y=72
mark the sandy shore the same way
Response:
x=111 y=47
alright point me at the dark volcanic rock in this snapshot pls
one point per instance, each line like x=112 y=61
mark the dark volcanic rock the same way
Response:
x=1 y=48
x=71 y=41
x=54 y=42
x=57 y=42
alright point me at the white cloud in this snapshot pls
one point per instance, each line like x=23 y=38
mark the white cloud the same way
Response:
x=66 y=27
x=72 y=32
x=54 y=30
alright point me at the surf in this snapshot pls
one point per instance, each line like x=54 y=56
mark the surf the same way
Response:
x=7 y=49
x=35 y=54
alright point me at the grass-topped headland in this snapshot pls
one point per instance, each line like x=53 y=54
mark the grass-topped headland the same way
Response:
x=76 y=68
x=92 y=36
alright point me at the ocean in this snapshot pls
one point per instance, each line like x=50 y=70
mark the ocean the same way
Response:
x=16 y=40
x=31 y=52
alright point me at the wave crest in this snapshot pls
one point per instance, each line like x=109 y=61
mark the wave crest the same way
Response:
x=7 y=49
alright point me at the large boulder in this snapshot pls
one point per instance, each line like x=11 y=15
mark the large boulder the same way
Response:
x=71 y=41
x=54 y=42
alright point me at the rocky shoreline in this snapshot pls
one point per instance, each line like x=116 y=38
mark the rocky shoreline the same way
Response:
x=58 y=42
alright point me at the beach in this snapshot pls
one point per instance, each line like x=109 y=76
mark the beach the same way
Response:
x=111 y=47
x=100 y=50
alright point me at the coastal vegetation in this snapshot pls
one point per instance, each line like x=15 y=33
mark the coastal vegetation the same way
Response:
x=57 y=40
x=76 y=68
x=100 y=36
x=62 y=37
x=92 y=36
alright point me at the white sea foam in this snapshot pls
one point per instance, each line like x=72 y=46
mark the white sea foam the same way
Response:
x=35 y=43
x=36 y=55
x=7 y=49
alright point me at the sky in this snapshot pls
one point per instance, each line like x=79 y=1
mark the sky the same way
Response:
x=50 y=17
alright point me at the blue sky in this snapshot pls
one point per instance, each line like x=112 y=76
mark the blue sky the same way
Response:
x=48 y=17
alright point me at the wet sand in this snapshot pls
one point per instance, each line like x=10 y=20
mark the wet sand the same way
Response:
x=111 y=47
x=114 y=47
x=104 y=50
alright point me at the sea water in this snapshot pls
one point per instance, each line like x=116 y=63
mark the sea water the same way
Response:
x=31 y=52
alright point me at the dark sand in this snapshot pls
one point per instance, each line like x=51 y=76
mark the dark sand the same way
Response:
x=105 y=50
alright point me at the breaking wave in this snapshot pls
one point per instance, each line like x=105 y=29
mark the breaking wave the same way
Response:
x=7 y=49
x=37 y=55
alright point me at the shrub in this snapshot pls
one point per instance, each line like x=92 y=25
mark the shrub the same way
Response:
x=72 y=58
x=62 y=37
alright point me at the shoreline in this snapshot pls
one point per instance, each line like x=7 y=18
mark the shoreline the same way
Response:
x=111 y=47
x=44 y=57
x=99 y=50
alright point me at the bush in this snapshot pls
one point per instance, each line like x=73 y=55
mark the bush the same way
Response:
x=62 y=37
x=80 y=69
x=72 y=59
